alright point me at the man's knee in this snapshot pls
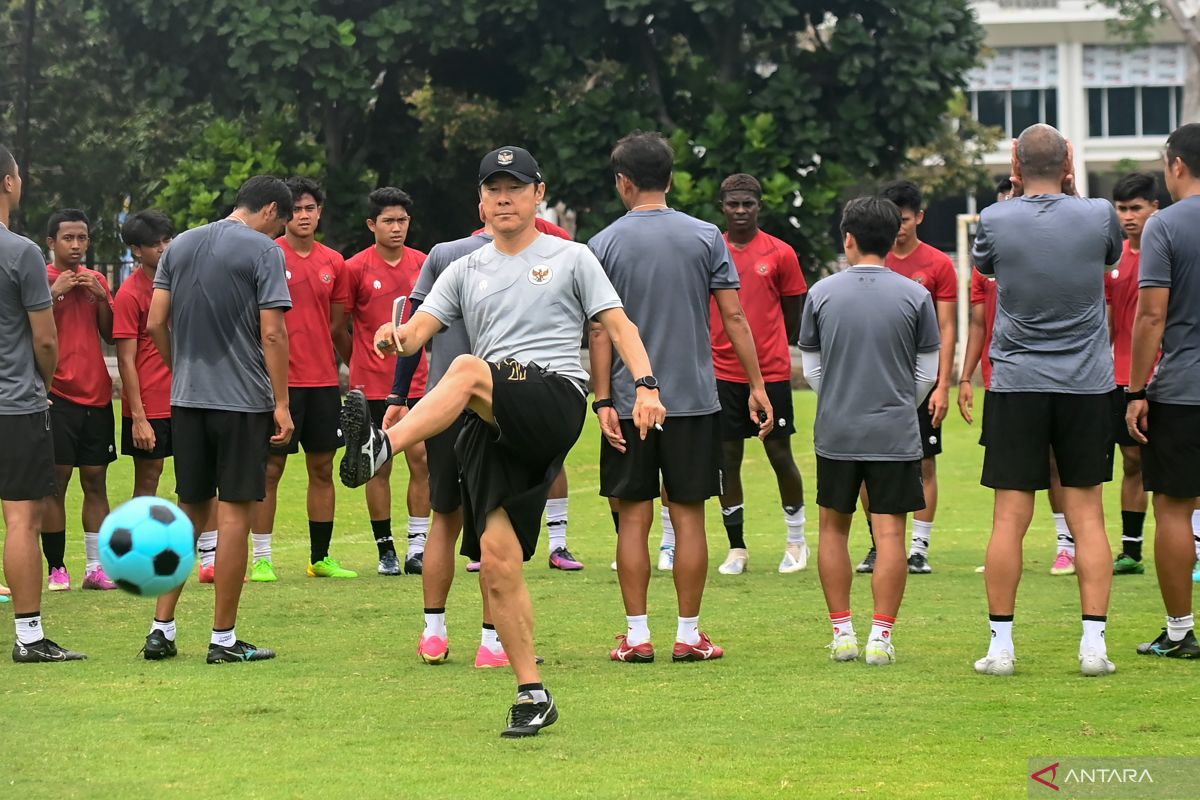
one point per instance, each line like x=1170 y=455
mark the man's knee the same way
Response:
x=320 y=468
x=93 y=480
x=275 y=466
x=472 y=371
x=500 y=560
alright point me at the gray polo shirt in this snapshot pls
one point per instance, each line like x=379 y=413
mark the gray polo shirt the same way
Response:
x=219 y=276
x=23 y=288
x=452 y=342
x=1049 y=254
x=1171 y=260
x=868 y=324
x=531 y=307
x=664 y=265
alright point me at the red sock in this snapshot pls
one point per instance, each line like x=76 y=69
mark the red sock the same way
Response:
x=881 y=627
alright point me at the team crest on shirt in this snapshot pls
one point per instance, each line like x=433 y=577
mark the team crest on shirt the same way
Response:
x=763 y=269
x=377 y=285
x=540 y=274
x=326 y=277
x=919 y=278
x=504 y=157
x=1116 y=273
x=288 y=273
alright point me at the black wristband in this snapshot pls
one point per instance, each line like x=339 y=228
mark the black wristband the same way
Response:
x=605 y=403
x=1140 y=394
x=395 y=400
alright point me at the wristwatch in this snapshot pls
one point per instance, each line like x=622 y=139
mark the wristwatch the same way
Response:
x=396 y=400
x=1140 y=394
x=605 y=403
x=648 y=381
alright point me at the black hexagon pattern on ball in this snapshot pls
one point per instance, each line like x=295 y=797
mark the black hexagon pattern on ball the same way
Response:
x=166 y=562
x=162 y=514
x=121 y=541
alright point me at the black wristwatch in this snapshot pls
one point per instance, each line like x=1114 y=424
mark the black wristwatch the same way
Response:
x=605 y=403
x=396 y=400
x=1140 y=394
x=648 y=381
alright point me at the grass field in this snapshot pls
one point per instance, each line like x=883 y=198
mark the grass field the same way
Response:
x=347 y=710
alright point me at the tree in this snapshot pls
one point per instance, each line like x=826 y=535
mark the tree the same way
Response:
x=951 y=163
x=1137 y=20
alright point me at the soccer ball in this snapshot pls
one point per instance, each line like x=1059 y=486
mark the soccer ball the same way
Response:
x=147 y=546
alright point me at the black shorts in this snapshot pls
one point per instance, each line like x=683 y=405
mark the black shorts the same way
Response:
x=931 y=437
x=687 y=453
x=539 y=416
x=162 y=440
x=315 y=411
x=445 y=493
x=1171 y=459
x=735 y=411
x=377 y=408
x=1020 y=428
x=221 y=454
x=27 y=458
x=895 y=487
x=1120 y=429
x=83 y=435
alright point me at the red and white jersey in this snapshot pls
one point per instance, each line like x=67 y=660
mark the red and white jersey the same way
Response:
x=82 y=375
x=929 y=267
x=1121 y=292
x=372 y=285
x=130 y=310
x=983 y=290
x=316 y=282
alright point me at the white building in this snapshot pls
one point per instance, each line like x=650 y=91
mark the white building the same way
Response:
x=1057 y=61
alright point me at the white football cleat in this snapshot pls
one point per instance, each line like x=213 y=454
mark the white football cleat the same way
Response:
x=1001 y=665
x=880 y=652
x=666 y=559
x=1093 y=664
x=795 y=559
x=844 y=647
x=735 y=562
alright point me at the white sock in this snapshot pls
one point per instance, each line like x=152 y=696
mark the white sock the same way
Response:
x=435 y=625
x=418 y=529
x=668 y=535
x=842 y=624
x=920 y=537
x=1177 y=627
x=556 y=522
x=207 y=547
x=794 y=519
x=491 y=640
x=224 y=638
x=688 y=631
x=1196 y=530
x=91 y=549
x=262 y=545
x=1093 y=636
x=1001 y=638
x=637 y=630
x=881 y=627
x=167 y=628
x=1063 y=534
x=29 y=629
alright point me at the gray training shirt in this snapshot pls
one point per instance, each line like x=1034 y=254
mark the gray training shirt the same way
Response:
x=531 y=306
x=1171 y=260
x=1049 y=254
x=219 y=276
x=868 y=324
x=664 y=265
x=451 y=342
x=23 y=288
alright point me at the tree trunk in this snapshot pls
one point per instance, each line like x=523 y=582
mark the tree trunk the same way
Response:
x=1188 y=21
x=23 y=142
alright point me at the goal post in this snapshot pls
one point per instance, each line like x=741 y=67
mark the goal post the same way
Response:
x=965 y=236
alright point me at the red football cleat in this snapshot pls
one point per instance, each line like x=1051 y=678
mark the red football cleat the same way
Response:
x=634 y=654
x=704 y=650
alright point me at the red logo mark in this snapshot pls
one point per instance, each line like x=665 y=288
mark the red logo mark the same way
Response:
x=1053 y=770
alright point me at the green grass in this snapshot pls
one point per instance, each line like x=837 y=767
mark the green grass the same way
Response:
x=348 y=710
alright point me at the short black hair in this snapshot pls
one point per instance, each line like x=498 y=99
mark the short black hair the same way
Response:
x=741 y=182
x=147 y=228
x=8 y=164
x=905 y=194
x=1134 y=186
x=65 y=215
x=1004 y=185
x=874 y=221
x=646 y=158
x=386 y=197
x=260 y=191
x=300 y=186
x=1184 y=144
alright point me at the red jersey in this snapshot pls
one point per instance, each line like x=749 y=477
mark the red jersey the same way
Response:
x=983 y=290
x=130 y=310
x=1121 y=292
x=316 y=282
x=929 y=267
x=768 y=270
x=82 y=375
x=543 y=226
x=372 y=285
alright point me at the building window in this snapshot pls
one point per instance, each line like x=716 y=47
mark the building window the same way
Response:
x=1014 y=110
x=1134 y=110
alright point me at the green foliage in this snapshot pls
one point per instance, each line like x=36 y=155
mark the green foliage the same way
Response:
x=951 y=163
x=202 y=184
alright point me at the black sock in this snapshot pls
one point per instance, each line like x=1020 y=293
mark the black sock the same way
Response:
x=616 y=521
x=320 y=534
x=487 y=626
x=871 y=530
x=382 y=528
x=1131 y=533
x=438 y=611
x=54 y=546
x=734 y=521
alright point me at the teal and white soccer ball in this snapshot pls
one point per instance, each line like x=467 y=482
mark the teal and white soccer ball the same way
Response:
x=147 y=546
